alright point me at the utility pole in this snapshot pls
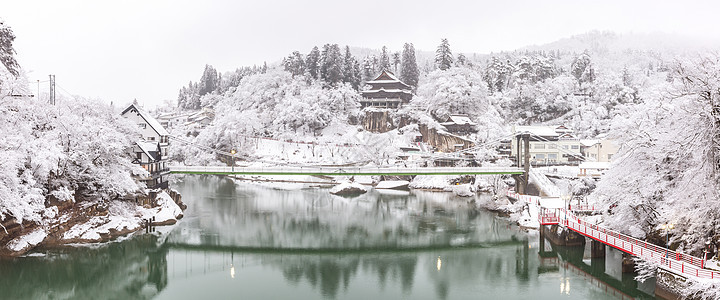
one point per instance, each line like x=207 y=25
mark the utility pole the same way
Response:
x=52 y=89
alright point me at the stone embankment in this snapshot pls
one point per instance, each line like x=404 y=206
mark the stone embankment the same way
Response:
x=90 y=221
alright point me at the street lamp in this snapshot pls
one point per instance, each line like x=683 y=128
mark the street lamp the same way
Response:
x=667 y=228
x=233 y=160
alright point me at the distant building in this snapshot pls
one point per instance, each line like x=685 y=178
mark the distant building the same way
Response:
x=549 y=145
x=601 y=150
x=459 y=124
x=150 y=150
x=201 y=118
x=387 y=91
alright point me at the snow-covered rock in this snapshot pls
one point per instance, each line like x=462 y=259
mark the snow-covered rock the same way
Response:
x=27 y=241
x=393 y=184
x=462 y=190
x=348 y=188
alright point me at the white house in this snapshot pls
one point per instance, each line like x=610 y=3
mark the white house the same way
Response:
x=601 y=150
x=150 y=150
x=549 y=145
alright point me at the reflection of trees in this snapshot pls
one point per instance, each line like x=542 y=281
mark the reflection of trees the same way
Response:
x=256 y=216
x=330 y=273
x=132 y=269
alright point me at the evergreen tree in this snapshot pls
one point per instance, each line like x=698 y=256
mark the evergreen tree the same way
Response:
x=409 y=72
x=384 y=60
x=443 y=56
x=351 y=69
x=396 y=61
x=331 y=70
x=312 y=64
x=357 y=75
x=7 y=52
x=208 y=81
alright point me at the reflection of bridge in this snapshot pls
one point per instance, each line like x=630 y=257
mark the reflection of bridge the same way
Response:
x=336 y=250
x=344 y=171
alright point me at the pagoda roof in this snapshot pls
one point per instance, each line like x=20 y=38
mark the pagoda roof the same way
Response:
x=386 y=77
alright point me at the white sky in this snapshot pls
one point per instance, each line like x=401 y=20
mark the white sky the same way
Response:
x=148 y=49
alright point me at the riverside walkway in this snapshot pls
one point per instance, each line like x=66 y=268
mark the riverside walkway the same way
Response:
x=680 y=263
x=344 y=171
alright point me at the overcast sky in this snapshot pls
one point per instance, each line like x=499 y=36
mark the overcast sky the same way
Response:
x=148 y=49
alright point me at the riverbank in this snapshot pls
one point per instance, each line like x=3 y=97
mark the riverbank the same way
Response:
x=90 y=221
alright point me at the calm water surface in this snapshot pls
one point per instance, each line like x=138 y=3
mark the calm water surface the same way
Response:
x=244 y=241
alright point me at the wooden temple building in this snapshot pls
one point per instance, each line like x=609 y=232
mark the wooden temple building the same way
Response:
x=387 y=91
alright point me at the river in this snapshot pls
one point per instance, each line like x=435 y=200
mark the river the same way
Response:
x=249 y=241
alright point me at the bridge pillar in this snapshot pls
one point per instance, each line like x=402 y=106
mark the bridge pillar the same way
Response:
x=628 y=263
x=523 y=160
x=597 y=249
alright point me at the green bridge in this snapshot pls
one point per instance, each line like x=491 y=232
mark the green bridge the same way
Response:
x=345 y=171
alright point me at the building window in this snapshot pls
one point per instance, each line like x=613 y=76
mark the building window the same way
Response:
x=539 y=146
x=151 y=138
x=575 y=147
x=139 y=155
x=552 y=146
x=552 y=156
x=609 y=156
x=539 y=156
x=565 y=147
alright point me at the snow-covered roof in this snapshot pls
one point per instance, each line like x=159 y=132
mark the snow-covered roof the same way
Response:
x=150 y=148
x=595 y=165
x=589 y=143
x=388 y=91
x=459 y=120
x=537 y=130
x=154 y=124
x=386 y=77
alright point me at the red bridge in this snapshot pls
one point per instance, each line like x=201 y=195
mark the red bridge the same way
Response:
x=678 y=262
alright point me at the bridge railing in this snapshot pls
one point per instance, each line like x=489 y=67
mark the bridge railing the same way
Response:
x=527 y=198
x=680 y=262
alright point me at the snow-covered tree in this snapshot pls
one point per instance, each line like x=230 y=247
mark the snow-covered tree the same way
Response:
x=384 y=60
x=583 y=69
x=409 y=72
x=396 y=61
x=7 y=52
x=667 y=168
x=295 y=64
x=351 y=69
x=331 y=69
x=209 y=81
x=457 y=91
x=443 y=56
x=312 y=63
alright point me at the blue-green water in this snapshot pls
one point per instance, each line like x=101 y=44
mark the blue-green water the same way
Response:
x=243 y=241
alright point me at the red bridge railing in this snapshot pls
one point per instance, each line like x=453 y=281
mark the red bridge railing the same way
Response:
x=679 y=262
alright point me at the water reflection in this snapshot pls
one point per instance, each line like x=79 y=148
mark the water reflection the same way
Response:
x=132 y=269
x=245 y=241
